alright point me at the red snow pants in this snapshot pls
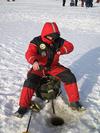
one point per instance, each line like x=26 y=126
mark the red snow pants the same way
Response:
x=32 y=83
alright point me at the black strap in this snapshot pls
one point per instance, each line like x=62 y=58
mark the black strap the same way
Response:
x=51 y=52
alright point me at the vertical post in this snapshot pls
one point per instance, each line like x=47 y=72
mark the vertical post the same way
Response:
x=28 y=123
x=53 y=107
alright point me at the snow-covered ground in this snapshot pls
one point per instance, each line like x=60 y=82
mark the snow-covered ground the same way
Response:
x=20 y=21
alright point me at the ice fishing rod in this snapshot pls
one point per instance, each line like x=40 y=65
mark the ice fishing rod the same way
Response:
x=35 y=107
x=55 y=120
x=28 y=125
x=31 y=112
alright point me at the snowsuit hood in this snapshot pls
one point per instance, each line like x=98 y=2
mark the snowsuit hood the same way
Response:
x=49 y=28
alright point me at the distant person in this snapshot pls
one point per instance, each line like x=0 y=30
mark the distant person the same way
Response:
x=98 y=1
x=9 y=0
x=82 y=3
x=64 y=1
x=76 y=1
x=89 y=3
x=73 y=2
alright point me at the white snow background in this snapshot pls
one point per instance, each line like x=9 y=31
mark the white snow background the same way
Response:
x=22 y=20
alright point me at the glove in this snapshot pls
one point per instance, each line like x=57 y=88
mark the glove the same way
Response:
x=35 y=106
x=58 y=52
x=36 y=66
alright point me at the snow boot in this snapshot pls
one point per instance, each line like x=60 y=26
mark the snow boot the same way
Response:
x=21 y=112
x=76 y=106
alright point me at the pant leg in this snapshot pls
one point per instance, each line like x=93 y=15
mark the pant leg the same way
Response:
x=69 y=80
x=64 y=1
x=91 y=3
x=29 y=87
x=82 y=3
x=72 y=92
x=76 y=1
x=25 y=97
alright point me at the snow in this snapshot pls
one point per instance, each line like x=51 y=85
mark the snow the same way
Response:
x=22 y=20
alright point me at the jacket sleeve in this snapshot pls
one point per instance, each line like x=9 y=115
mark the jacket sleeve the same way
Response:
x=66 y=48
x=31 y=53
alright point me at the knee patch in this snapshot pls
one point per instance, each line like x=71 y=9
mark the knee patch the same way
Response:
x=32 y=81
x=67 y=77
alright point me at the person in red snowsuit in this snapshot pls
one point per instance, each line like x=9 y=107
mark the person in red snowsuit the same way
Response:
x=44 y=52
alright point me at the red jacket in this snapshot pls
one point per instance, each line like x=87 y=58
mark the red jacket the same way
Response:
x=32 y=51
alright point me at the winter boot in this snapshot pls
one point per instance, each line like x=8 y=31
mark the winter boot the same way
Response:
x=21 y=112
x=76 y=106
